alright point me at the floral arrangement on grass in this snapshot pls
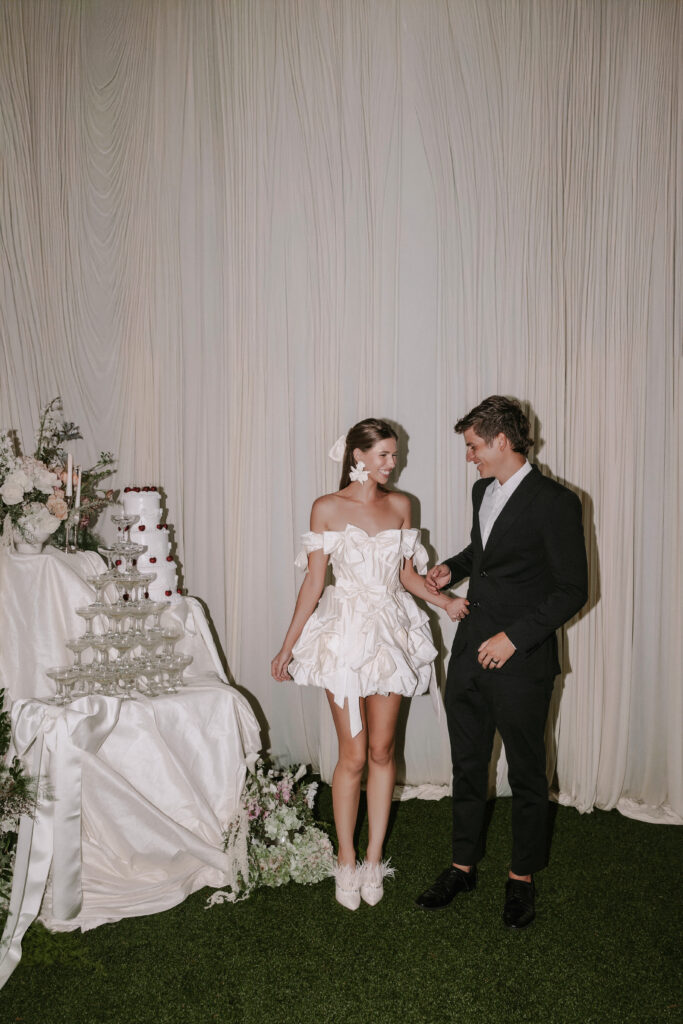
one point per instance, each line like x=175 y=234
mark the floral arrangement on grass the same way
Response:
x=17 y=797
x=276 y=833
x=33 y=498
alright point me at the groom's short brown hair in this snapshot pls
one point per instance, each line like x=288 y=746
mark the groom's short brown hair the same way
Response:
x=498 y=415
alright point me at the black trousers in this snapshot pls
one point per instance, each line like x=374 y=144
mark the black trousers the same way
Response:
x=479 y=701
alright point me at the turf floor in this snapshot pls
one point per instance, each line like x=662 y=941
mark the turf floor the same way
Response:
x=605 y=946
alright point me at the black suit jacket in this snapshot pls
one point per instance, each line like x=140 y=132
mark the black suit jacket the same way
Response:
x=530 y=578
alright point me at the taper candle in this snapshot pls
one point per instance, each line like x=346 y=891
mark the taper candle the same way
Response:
x=69 y=475
x=77 y=503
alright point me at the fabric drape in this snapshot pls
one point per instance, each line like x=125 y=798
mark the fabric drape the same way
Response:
x=232 y=228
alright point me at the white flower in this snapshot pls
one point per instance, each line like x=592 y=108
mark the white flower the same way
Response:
x=45 y=481
x=14 y=487
x=39 y=520
x=336 y=452
x=359 y=472
x=310 y=794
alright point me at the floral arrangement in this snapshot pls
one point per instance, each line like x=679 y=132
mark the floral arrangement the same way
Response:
x=33 y=492
x=277 y=825
x=17 y=797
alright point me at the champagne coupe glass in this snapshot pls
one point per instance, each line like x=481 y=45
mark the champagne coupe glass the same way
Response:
x=88 y=612
x=101 y=643
x=109 y=554
x=183 y=661
x=123 y=644
x=176 y=665
x=127 y=675
x=149 y=641
x=163 y=669
x=99 y=582
x=152 y=678
x=123 y=521
x=118 y=613
x=138 y=614
x=157 y=608
x=69 y=682
x=77 y=646
x=170 y=637
x=59 y=676
x=102 y=580
x=107 y=679
x=89 y=678
x=141 y=588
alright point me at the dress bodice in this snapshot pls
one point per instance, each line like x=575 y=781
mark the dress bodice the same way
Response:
x=361 y=560
x=367 y=635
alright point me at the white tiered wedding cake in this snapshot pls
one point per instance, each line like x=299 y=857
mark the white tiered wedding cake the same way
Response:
x=145 y=502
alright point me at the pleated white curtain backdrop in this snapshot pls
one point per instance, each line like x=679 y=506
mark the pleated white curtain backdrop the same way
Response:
x=232 y=228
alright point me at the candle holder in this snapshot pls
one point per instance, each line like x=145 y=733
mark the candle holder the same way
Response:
x=71 y=531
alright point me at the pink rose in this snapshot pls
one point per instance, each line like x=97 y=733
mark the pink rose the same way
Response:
x=57 y=507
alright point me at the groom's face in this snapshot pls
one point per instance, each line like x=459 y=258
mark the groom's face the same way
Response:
x=486 y=457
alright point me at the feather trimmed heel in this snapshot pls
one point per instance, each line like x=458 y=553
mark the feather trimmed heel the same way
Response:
x=372 y=880
x=347 y=879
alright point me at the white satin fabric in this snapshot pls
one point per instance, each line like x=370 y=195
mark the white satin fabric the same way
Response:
x=367 y=634
x=388 y=208
x=135 y=794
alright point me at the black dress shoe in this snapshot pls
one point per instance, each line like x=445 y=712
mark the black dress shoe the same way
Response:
x=449 y=883
x=519 y=911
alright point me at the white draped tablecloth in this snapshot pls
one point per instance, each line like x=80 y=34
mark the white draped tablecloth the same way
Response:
x=135 y=794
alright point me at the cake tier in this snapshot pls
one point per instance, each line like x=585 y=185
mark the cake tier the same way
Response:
x=154 y=536
x=165 y=586
x=147 y=563
x=142 y=502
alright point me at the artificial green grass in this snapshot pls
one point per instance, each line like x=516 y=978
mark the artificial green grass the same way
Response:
x=604 y=948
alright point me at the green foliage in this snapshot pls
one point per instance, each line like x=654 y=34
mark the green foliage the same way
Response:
x=17 y=797
x=53 y=434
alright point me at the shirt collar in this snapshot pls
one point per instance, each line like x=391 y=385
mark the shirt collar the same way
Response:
x=513 y=482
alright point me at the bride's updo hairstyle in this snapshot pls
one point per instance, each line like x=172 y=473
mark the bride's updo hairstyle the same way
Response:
x=364 y=435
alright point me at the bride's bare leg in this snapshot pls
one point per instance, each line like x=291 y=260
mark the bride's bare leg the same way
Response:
x=346 y=778
x=382 y=715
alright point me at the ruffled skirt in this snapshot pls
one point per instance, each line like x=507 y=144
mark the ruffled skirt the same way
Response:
x=365 y=640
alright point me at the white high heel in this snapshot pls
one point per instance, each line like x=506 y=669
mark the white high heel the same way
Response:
x=347 y=885
x=372 y=880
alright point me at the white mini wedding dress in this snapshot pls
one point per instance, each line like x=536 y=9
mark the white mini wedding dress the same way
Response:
x=367 y=634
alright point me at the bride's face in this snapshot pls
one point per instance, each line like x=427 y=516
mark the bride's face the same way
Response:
x=380 y=460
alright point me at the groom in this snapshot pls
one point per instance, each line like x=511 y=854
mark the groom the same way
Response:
x=526 y=564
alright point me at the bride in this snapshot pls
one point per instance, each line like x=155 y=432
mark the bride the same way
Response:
x=366 y=641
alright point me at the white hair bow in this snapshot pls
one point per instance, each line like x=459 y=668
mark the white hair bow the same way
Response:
x=336 y=452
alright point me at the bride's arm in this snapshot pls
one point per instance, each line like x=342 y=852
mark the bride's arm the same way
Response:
x=307 y=599
x=455 y=607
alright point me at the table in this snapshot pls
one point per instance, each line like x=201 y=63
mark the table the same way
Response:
x=141 y=790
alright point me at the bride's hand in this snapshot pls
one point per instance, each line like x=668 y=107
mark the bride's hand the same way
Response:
x=457 y=609
x=278 y=666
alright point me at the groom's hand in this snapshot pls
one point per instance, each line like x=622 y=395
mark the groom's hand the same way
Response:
x=495 y=651
x=437 y=578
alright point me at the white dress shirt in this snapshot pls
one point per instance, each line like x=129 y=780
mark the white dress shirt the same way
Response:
x=495 y=498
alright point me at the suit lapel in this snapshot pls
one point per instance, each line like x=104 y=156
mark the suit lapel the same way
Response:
x=477 y=498
x=514 y=507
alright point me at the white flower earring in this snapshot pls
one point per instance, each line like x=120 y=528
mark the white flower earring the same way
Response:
x=359 y=473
